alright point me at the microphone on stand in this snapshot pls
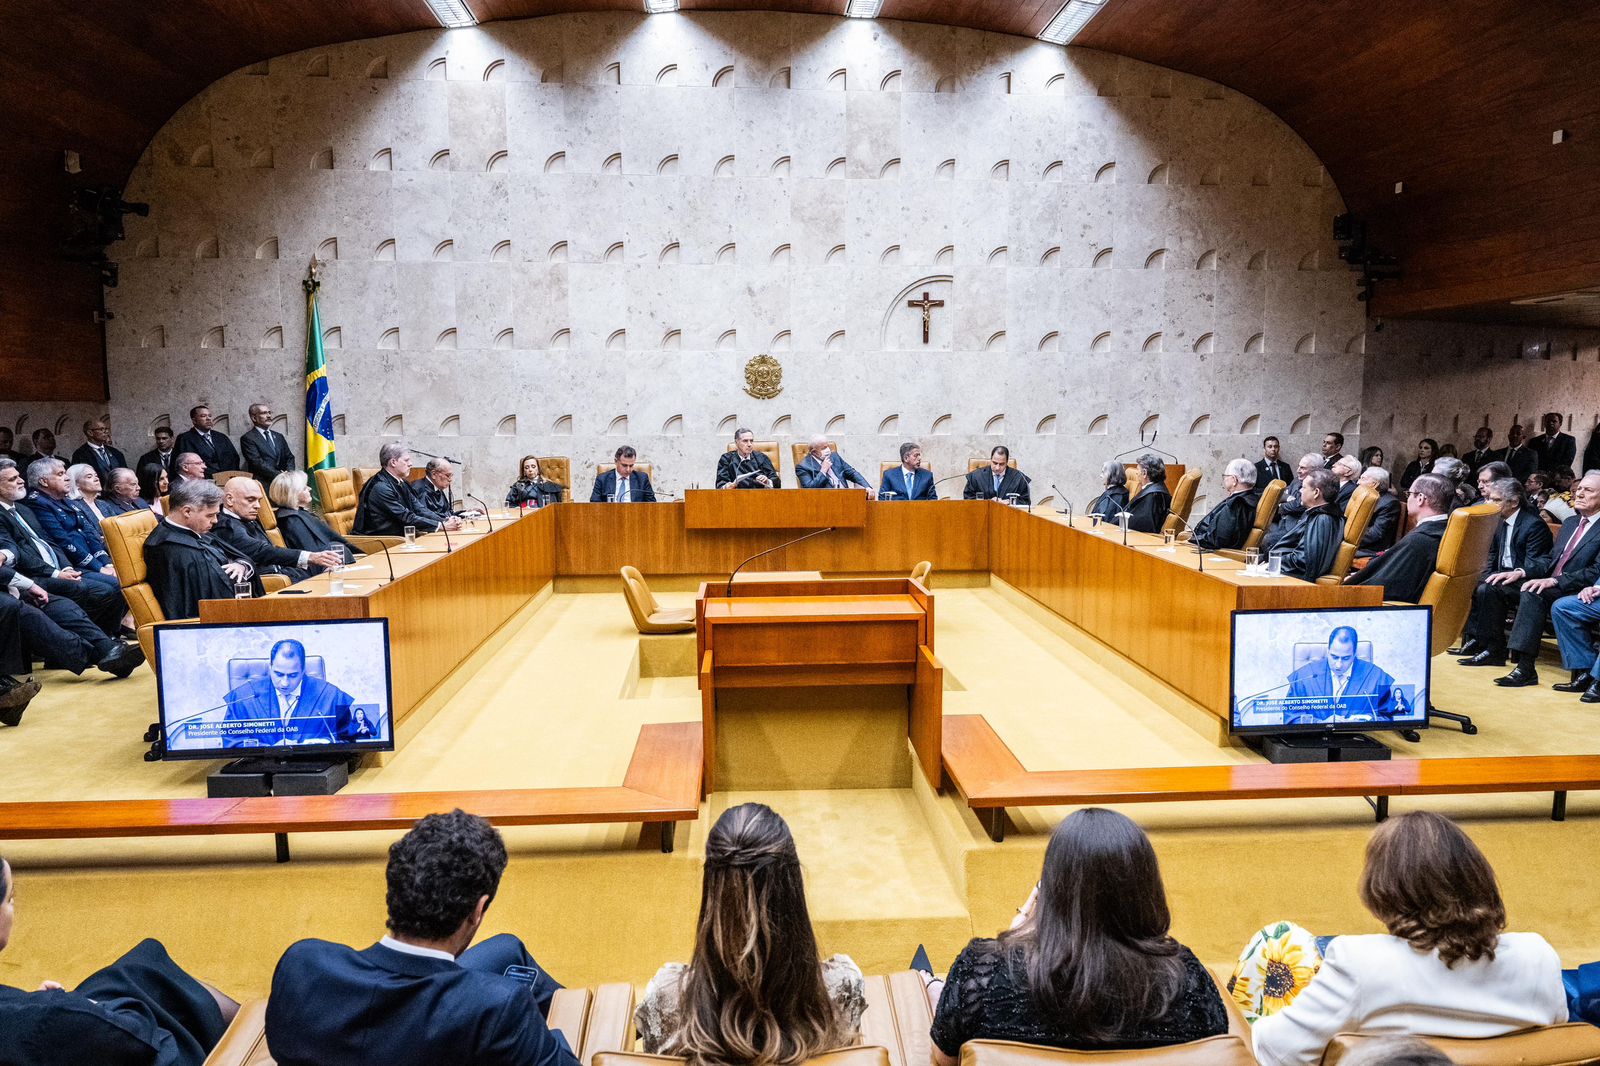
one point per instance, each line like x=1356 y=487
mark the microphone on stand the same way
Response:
x=952 y=477
x=430 y=455
x=1068 y=509
x=487 y=516
x=446 y=532
x=728 y=591
x=385 y=546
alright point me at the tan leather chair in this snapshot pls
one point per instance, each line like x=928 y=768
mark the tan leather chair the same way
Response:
x=557 y=468
x=361 y=475
x=769 y=448
x=1358 y=512
x=269 y=522
x=1182 y=502
x=125 y=536
x=860 y=1055
x=222 y=477
x=800 y=451
x=1266 y=507
x=978 y=462
x=889 y=464
x=647 y=469
x=1549 y=1045
x=648 y=615
x=921 y=571
x=337 y=493
x=245 y=1042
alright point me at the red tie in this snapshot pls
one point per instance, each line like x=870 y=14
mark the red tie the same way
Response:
x=1572 y=545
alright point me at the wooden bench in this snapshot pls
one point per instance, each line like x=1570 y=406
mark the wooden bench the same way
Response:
x=661 y=787
x=986 y=772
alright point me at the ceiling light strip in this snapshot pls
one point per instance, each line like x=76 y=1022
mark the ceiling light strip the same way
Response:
x=863 y=9
x=452 y=14
x=1073 y=16
x=660 y=7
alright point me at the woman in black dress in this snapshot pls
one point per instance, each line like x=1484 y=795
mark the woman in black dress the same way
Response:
x=1114 y=499
x=290 y=494
x=153 y=485
x=531 y=489
x=1427 y=451
x=1090 y=966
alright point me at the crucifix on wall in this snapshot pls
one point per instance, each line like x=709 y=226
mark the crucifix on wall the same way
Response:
x=927 y=306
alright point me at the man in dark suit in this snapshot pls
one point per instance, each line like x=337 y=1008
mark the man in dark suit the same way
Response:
x=1270 y=467
x=66 y=526
x=744 y=467
x=266 y=451
x=1522 y=459
x=288 y=705
x=24 y=545
x=386 y=505
x=1311 y=545
x=186 y=564
x=211 y=445
x=908 y=481
x=8 y=442
x=97 y=450
x=55 y=631
x=1404 y=569
x=823 y=468
x=432 y=491
x=1556 y=450
x=622 y=483
x=17 y=684
x=421 y=996
x=1480 y=455
x=164 y=454
x=1332 y=449
x=1229 y=522
x=1149 y=506
x=1351 y=685
x=998 y=481
x=44 y=445
x=239 y=525
x=1347 y=468
x=1522 y=549
x=1385 y=523
x=1575 y=563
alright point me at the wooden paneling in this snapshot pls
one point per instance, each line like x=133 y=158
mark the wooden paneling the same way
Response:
x=602 y=538
x=793 y=509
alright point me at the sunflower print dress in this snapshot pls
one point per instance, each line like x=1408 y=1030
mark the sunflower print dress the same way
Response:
x=1274 y=968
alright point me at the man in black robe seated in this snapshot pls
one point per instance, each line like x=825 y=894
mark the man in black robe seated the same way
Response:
x=1149 y=507
x=744 y=467
x=1290 y=509
x=1385 y=523
x=239 y=526
x=1404 y=569
x=142 y=1009
x=1229 y=522
x=998 y=481
x=387 y=507
x=432 y=491
x=1311 y=545
x=186 y=564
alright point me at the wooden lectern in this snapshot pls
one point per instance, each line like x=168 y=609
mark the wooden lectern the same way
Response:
x=817 y=684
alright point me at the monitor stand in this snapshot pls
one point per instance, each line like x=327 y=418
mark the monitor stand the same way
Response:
x=1319 y=747
x=284 y=776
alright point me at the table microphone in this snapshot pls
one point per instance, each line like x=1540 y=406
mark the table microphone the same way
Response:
x=486 y=515
x=384 y=545
x=1068 y=509
x=446 y=532
x=430 y=455
x=814 y=533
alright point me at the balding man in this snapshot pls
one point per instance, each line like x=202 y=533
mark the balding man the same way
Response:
x=97 y=450
x=239 y=525
x=266 y=451
x=823 y=468
x=1348 y=470
x=1380 y=532
x=190 y=468
x=1404 y=569
x=432 y=491
x=1228 y=523
x=1522 y=548
x=1290 y=509
x=386 y=506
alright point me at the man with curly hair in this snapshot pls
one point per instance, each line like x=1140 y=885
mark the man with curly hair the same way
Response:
x=420 y=995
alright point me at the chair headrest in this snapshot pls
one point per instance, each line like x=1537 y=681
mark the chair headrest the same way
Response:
x=125 y=536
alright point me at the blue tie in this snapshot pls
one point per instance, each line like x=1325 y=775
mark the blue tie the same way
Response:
x=910 y=478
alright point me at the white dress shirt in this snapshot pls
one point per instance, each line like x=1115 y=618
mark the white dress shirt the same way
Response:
x=1381 y=984
x=1506 y=562
x=412 y=949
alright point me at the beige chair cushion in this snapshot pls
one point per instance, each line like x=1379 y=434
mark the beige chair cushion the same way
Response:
x=1549 y=1045
x=337 y=493
x=978 y=462
x=1227 y=1050
x=1182 y=502
x=921 y=571
x=864 y=1055
x=769 y=448
x=557 y=468
x=222 y=477
x=245 y=1042
x=648 y=615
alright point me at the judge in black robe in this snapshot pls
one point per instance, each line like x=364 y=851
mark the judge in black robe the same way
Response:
x=386 y=506
x=1228 y=524
x=186 y=567
x=981 y=483
x=1380 y=532
x=250 y=540
x=306 y=532
x=1404 y=569
x=1149 y=509
x=734 y=465
x=1310 y=546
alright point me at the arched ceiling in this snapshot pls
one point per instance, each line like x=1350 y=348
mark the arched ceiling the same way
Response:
x=1457 y=99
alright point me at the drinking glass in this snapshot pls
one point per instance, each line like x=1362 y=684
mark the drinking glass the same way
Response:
x=1275 y=564
x=336 y=585
x=1252 y=558
x=241 y=590
x=411 y=536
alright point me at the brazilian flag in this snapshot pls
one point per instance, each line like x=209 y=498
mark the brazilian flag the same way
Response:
x=319 y=405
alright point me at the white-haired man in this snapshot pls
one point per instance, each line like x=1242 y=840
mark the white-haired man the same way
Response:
x=824 y=468
x=1228 y=523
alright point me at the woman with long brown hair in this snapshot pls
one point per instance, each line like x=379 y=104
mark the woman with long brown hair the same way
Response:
x=1091 y=965
x=1446 y=967
x=755 y=992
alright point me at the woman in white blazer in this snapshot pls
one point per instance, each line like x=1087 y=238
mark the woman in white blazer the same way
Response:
x=1445 y=968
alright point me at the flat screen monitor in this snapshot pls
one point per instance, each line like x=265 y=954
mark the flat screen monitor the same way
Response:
x=1330 y=670
x=275 y=689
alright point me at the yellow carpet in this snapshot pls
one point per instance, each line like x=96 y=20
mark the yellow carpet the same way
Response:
x=561 y=703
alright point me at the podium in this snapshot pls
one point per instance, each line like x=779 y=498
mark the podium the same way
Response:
x=817 y=684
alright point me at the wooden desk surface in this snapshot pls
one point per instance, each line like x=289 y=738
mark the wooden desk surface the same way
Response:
x=801 y=608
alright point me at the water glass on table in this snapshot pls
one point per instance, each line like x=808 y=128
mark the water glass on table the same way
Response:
x=410 y=533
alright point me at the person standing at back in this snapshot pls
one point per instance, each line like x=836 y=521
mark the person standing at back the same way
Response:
x=212 y=445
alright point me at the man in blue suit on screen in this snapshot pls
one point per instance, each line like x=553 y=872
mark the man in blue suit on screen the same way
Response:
x=908 y=481
x=421 y=996
x=288 y=706
x=1355 y=686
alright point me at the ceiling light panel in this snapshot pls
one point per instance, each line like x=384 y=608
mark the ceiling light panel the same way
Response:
x=660 y=7
x=1073 y=16
x=452 y=14
x=863 y=9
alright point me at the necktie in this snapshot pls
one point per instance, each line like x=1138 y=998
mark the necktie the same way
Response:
x=997 y=480
x=911 y=478
x=623 y=484
x=833 y=478
x=1572 y=545
x=40 y=545
x=1339 y=682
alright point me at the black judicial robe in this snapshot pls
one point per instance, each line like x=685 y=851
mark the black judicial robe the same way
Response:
x=1150 y=508
x=980 y=486
x=1310 y=547
x=1228 y=523
x=732 y=464
x=186 y=568
x=429 y=497
x=250 y=540
x=1110 y=503
x=1404 y=569
x=533 y=493
x=306 y=532
x=387 y=507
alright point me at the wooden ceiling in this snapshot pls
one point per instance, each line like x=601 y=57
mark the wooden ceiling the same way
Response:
x=1455 y=98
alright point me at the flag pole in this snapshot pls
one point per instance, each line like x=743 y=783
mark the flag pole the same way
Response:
x=319 y=406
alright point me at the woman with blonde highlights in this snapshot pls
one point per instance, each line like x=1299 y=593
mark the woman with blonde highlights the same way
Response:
x=755 y=992
x=1446 y=967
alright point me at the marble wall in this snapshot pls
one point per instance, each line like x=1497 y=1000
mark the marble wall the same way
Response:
x=563 y=234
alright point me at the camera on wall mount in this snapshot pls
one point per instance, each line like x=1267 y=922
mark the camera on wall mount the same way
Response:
x=1350 y=233
x=94 y=223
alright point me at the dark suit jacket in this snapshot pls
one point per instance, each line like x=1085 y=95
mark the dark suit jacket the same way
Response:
x=169 y=462
x=1414 y=470
x=809 y=473
x=1329 y=460
x=111 y=506
x=980 y=485
x=429 y=498
x=1583 y=568
x=265 y=459
x=1554 y=452
x=18 y=526
x=1150 y=508
x=323 y=715
x=332 y=1005
x=894 y=480
x=86 y=454
x=1522 y=460
x=1476 y=459
x=1346 y=490
x=732 y=464
x=1404 y=569
x=1530 y=545
x=533 y=493
x=1385 y=522
x=220 y=454
x=1315 y=679
x=1279 y=471
x=1312 y=543
x=250 y=540
x=387 y=507
x=70 y=531
x=1228 y=523
x=639 y=488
